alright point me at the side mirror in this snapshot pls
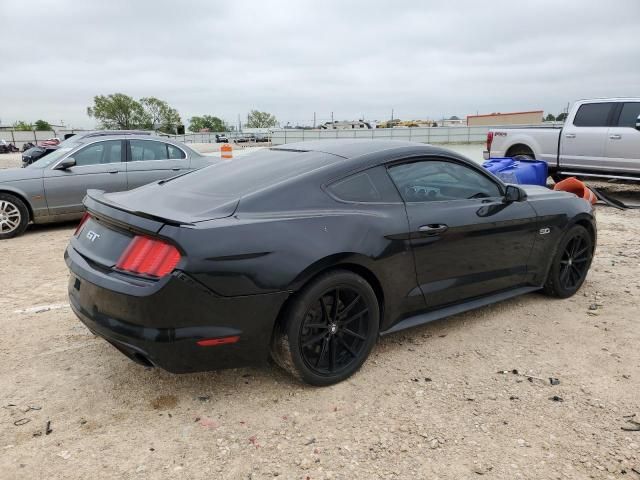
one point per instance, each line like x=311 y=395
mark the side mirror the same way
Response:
x=638 y=123
x=66 y=163
x=514 y=193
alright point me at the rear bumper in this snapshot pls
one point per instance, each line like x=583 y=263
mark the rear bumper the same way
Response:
x=160 y=327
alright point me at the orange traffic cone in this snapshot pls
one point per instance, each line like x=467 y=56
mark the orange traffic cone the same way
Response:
x=226 y=150
x=575 y=186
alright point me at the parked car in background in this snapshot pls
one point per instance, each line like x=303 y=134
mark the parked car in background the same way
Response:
x=311 y=251
x=261 y=137
x=6 y=147
x=33 y=154
x=221 y=138
x=244 y=138
x=52 y=188
x=50 y=142
x=28 y=157
x=600 y=138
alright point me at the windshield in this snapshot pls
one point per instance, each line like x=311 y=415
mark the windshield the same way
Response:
x=54 y=156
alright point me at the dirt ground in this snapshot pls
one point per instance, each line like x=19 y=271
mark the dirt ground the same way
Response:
x=429 y=403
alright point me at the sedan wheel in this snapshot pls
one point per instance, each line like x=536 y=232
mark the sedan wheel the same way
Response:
x=14 y=216
x=329 y=330
x=571 y=263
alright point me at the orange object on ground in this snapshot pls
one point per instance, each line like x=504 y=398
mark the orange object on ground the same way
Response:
x=226 y=151
x=575 y=186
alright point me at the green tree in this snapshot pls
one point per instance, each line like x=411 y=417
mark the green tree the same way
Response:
x=42 y=125
x=118 y=111
x=258 y=119
x=213 y=124
x=22 y=126
x=550 y=118
x=562 y=117
x=159 y=115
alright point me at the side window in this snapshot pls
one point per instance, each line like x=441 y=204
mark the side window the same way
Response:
x=437 y=180
x=148 y=150
x=99 y=153
x=175 y=152
x=629 y=114
x=593 y=115
x=370 y=186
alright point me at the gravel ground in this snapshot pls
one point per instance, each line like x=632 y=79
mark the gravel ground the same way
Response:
x=429 y=403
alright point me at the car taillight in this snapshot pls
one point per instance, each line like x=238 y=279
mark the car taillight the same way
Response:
x=489 y=140
x=148 y=256
x=83 y=220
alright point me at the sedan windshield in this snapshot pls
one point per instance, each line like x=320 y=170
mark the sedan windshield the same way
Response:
x=54 y=156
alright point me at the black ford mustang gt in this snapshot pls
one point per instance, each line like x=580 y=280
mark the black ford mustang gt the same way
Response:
x=310 y=251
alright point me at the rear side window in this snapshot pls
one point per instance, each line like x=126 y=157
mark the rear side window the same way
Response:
x=370 y=186
x=174 y=152
x=593 y=115
x=152 y=150
x=629 y=114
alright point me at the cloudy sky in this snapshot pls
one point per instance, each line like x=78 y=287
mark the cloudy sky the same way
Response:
x=424 y=59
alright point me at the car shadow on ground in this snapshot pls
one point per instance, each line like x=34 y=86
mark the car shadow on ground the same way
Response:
x=39 y=228
x=125 y=375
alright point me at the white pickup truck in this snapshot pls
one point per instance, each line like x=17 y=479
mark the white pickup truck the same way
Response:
x=600 y=138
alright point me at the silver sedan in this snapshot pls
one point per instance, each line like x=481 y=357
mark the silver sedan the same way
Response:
x=52 y=189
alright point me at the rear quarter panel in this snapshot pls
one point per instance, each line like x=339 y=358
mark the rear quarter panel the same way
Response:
x=262 y=249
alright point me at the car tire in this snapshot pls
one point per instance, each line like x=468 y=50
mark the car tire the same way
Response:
x=526 y=156
x=14 y=216
x=570 y=264
x=321 y=345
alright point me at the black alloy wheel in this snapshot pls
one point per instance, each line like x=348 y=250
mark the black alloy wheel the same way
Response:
x=334 y=331
x=329 y=330
x=575 y=262
x=571 y=263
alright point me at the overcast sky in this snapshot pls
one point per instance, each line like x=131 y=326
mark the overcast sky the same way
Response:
x=358 y=58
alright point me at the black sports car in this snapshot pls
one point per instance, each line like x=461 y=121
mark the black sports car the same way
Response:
x=310 y=251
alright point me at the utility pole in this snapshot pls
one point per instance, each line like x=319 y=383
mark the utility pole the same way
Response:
x=331 y=117
x=314 y=119
x=239 y=124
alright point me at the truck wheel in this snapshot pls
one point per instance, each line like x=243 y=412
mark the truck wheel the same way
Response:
x=14 y=216
x=520 y=151
x=522 y=156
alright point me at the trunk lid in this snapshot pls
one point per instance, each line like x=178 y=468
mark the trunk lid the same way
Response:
x=165 y=203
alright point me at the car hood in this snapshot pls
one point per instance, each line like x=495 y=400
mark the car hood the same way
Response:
x=17 y=174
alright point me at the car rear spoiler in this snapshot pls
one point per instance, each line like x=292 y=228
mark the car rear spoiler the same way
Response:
x=96 y=203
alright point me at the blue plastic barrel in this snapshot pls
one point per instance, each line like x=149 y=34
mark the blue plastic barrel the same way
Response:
x=523 y=172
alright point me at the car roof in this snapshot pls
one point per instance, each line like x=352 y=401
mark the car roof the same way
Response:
x=364 y=153
x=351 y=148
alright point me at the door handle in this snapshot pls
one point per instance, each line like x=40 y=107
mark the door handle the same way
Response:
x=433 y=229
x=176 y=169
x=570 y=135
x=615 y=137
x=112 y=171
